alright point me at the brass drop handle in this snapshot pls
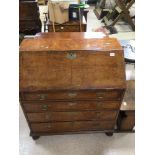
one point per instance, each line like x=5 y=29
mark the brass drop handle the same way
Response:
x=72 y=94
x=100 y=95
x=44 y=107
x=42 y=96
x=72 y=103
x=49 y=126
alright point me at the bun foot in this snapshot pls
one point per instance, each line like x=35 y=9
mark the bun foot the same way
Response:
x=109 y=133
x=35 y=137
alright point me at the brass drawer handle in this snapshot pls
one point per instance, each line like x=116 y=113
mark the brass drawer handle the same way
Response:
x=72 y=95
x=72 y=104
x=49 y=126
x=99 y=94
x=44 y=107
x=42 y=96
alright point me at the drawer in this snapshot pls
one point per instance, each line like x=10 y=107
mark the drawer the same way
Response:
x=66 y=28
x=74 y=95
x=60 y=127
x=72 y=116
x=41 y=106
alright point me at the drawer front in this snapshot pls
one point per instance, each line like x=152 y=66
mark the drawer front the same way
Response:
x=74 y=95
x=60 y=127
x=69 y=106
x=71 y=116
x=67 y=28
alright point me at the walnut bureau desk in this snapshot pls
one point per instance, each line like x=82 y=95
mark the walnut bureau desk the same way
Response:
x=71 y=83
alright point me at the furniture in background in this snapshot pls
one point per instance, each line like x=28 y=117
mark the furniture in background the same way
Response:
x=66 y=17
x=91 y=1
x=29 y=17
x=71 y=26
x=26 y=0
x=120 y=11
x=100 y=5
x=42 y=2
x=126 y=119
x=66 y=87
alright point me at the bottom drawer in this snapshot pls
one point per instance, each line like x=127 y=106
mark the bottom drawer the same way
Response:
x=60 y=127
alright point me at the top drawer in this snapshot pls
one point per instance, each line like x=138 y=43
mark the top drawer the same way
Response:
x=74 y=95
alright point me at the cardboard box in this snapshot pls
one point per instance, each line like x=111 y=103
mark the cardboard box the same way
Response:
x=58 y=11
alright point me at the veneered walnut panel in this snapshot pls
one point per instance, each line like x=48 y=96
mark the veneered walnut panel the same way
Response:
x=83 y=59
x=73 y=35
x=60 y=127
x=69 y=106
x=61 y=41
x=71 y=116
x=52 y=70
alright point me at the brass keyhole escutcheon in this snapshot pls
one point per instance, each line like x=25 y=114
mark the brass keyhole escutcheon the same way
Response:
x=71 y=55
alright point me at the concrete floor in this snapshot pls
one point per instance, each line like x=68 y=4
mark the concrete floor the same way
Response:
x=80 y=144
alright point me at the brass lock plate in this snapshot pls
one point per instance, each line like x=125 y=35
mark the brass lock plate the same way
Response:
x=71 y=55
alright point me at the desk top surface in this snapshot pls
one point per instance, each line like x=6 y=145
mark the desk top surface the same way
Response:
x=70 y=41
